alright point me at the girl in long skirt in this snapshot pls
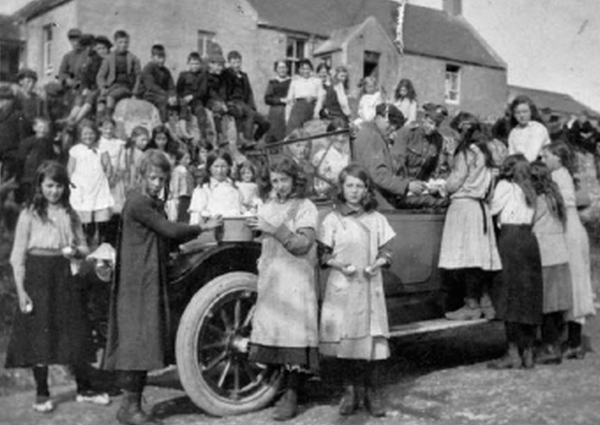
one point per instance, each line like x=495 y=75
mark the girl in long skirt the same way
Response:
x=559 y=159
x=305 y=97
x=51 y=326
x=284 y=327
x=469 y=242
x=549 y=228
x=354 y=323
x=520 y=299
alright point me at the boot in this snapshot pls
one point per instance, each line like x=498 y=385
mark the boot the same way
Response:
x=511 y=360
x=470 y=311
x=131 y=413
x=287 y=406
x=349 y=402
x=549 y=354
x=527 y=358
x=373 y=396
x=487 y=308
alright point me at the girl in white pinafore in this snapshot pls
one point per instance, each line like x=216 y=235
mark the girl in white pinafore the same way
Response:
x=559 y=159
x=284 y=326
x=90 y=194
x=354 y=322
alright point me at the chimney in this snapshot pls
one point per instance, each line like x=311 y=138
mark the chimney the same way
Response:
x=453 y=7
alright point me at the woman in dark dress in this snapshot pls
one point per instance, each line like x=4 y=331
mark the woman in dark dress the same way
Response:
x=275 y=97
x=138 y=331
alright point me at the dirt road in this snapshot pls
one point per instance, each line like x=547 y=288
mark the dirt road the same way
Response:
x=437 y=379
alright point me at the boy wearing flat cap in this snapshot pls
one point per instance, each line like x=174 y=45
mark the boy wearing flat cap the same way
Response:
x=71 y=61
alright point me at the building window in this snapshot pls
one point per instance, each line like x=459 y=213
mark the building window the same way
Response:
x=205 y=39
x=47 y=34
x=452 y=92
x=294 y=52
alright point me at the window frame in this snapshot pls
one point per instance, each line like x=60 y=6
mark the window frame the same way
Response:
x=47 y=41
x=203 y=39
x=293 y=59
x=452 y=87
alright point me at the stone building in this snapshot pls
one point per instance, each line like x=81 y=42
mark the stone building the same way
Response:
x=442 y=53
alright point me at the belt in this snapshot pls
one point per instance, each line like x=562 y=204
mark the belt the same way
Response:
x=45 y=252
x=304 y=99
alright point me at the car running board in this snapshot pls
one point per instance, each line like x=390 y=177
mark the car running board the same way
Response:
x=429 y=326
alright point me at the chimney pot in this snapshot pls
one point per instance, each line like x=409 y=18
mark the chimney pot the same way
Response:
x=453 y=7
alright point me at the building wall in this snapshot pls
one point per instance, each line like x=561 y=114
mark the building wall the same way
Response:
x=483 y=90
x=62 y=18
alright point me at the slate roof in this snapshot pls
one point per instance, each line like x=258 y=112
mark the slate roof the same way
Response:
x=427 y=32
x=558 y=102
x=9 y=30
x=38 y=7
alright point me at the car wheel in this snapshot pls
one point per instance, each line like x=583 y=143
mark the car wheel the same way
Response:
x=212 y=349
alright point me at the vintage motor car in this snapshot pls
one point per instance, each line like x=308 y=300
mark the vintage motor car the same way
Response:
x=212 y=287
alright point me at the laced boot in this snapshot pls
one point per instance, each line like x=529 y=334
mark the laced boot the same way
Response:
x=549 y=354
x=373 y=396
x=487 y=308
x=527 y=358
x=470 y=311
x=511 y=360
x=131 y=413
x=287 y=406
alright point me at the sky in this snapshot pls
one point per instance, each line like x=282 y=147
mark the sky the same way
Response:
x=547 y=44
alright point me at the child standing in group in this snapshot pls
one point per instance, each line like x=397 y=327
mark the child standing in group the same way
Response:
x=90 y=196
x=300 y=152
x=115 y=148
x=370 y=98
x=549 y=228
x=138 y=326
x=181 y=188
x=520 y=298
x=354 y=323
x=51 y=326
x=218 y=194
x=162 y=140
x=559 y=159
x=469 y=242
x=405 y=99
x=33 y=151
x=248 y=188
x=284 y=326
x=134 y=151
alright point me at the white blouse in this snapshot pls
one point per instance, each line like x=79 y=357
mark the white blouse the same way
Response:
x=528 y=140
x=510 y=205
x=215 y=198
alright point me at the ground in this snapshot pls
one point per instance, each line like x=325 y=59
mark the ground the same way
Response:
x=438 y=379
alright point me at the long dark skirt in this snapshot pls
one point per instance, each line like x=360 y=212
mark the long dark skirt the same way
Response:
x=302 y=111
x=57 y=330
x=520 y=297
x=277 y=119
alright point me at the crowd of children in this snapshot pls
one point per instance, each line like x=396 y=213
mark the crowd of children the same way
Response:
x=179 y=178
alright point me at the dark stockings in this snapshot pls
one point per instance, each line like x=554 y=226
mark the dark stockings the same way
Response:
x=40 y=374
x=574 y=330
x=553 y=326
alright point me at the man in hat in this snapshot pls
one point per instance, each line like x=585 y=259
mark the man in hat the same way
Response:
x=72 y=61
x=372 y=150
x=416 y=151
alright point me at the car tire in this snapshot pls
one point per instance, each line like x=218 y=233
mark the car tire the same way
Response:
x=211 y=349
